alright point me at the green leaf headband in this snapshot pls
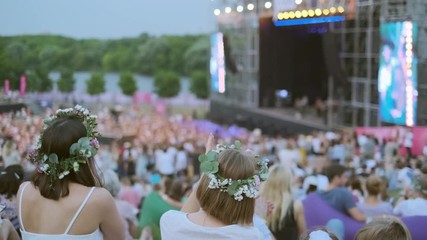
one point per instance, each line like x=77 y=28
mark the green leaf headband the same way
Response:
x=238 y=188
x=84 y=148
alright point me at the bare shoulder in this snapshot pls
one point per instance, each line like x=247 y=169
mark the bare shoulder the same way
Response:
x=24 y=185
x=102 y=197
x=298 y=206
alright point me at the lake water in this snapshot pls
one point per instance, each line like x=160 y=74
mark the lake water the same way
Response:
x=144 y=83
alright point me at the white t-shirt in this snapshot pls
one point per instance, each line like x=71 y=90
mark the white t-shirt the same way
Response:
x=176 y=225
x=411 y=207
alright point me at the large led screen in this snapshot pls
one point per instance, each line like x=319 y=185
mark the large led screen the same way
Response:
x=217 y=63
x=397 y=76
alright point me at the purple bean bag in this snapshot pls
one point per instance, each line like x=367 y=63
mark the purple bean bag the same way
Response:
x=318 y=213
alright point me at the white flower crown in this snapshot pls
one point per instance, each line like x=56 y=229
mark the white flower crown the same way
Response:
x=238 y=188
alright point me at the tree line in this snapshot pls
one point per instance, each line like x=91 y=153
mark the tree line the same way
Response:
x=166 y=57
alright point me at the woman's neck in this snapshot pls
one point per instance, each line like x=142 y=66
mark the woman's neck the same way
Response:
x=372 y=200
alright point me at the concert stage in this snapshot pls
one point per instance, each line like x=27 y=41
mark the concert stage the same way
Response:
x=271 y=120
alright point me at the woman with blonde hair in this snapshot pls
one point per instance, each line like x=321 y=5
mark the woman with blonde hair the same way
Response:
x=223 y=204
x=390 y=228
x=286 y=220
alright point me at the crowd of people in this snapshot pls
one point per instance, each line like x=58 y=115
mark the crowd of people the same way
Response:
x=163 y=177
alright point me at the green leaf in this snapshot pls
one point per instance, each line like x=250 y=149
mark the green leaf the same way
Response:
x=53 y=158
x=209 y=167
x=212 y=156
x=232 y=189
x=203 y=157
x=264 y=176
x=237 y=144
x=84 y=141
x=74 y=148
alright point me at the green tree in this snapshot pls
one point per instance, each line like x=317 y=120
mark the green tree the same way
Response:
x=127 y=83
x=96 y=84
x=199 y=84
x=167 y=84
x=197 y=56
x=153 y=55
x=66 y=82
x=39 y=81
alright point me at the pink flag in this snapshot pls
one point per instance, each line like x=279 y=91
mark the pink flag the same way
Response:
x=23 y=86
x=6 y=87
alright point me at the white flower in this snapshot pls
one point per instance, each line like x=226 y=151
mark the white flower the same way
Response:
x=94 y=117
x=76 y=166
x=61 y=176
x=88 y=154
x=44 y=167
x=319 y=235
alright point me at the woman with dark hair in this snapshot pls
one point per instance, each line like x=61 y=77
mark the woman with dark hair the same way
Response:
x=10 y=179
x=65 y=186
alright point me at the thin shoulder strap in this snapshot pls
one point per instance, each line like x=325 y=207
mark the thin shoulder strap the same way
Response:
x=79 y=210
x=20 y=205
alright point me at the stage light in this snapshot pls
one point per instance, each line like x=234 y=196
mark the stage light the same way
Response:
x=311 y=13
x=333 y=10
x=268 y=5
x=318 y=12
x=239 y=8
x=281 y=16
x=325 y=12
x=286 y=15
x=304 y=13
x=305 y=21
x=340 y=9
x=297 y=14
x=227 y=10
x=217 y=12
x=251 y=6
x=291 y=15
x=298 y=2
x=408 y=46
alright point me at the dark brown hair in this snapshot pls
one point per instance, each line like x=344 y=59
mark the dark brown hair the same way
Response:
x=57 y=139
x=233 y=164
x=335 y=170
x=10 y=179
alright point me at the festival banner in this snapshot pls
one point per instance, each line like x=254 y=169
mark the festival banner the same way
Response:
x=6 y=87
x=22 y=86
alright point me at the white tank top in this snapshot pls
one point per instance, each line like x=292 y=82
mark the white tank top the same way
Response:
x=97 y=235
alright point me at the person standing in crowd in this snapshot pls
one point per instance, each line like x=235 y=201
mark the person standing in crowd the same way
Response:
x=165 y=196
x=222 y=205
x=418 y=205
x=337 y=196
x=126 y=210
x=407 y=142
x=286 y=220
x=10 y=153
x=373 y=206
x=10 y=179
x=65 y=187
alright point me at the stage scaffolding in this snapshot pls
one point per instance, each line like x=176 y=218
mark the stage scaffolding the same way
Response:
x=360 y=40
x=352 y=103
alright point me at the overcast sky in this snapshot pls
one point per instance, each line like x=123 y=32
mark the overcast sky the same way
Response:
x=106 y=18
